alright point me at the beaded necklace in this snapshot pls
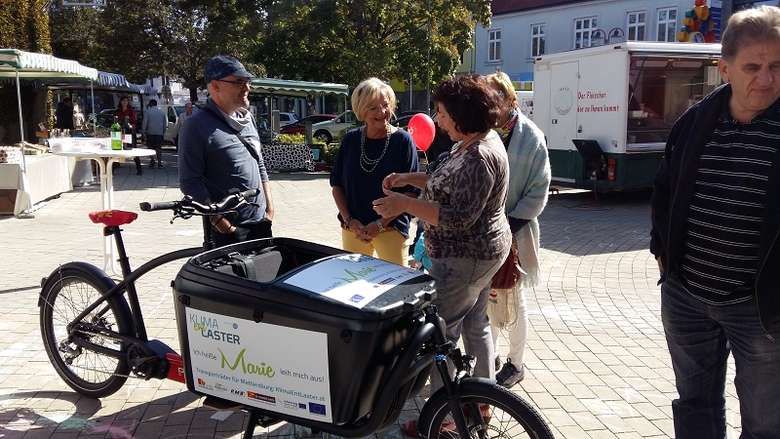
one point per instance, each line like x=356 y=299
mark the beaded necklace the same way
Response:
x=367 y=164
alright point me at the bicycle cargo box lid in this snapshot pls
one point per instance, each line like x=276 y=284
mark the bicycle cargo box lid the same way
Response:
x=359 y=281
x=305 y=276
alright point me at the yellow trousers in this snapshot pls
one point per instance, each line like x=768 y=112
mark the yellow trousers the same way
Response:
x=389 y=245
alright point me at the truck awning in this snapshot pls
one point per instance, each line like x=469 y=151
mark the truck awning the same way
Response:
x=296 y=88
x=30 y=65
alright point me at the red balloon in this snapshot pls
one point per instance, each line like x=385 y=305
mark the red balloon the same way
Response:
x=422 y=130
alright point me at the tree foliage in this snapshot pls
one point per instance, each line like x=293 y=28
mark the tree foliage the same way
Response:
x=75 y=33
x=349 y=40
x=318 y=40
x=145 y=38
x=24 y=25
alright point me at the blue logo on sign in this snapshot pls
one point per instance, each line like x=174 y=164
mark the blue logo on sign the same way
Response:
x=356 y=298
x=317 y=409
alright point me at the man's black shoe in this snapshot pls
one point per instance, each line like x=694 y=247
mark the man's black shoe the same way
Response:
x=509 y=375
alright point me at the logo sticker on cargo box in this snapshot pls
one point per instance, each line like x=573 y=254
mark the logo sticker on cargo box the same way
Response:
x=277 y=368
x=261 y=397
x=317 y=409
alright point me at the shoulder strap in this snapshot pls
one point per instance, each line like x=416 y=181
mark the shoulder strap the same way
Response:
x=249 y=147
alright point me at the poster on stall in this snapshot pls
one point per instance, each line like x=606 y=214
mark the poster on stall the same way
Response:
x=275 y=368
x=352 y=279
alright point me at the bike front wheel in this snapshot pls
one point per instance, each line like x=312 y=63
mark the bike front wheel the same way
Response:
x=490 y=411
x=66 y=293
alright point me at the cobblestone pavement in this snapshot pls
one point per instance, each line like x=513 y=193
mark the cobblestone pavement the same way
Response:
x=597 y=360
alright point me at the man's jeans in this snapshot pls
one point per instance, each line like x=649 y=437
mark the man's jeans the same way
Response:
x=700 y=337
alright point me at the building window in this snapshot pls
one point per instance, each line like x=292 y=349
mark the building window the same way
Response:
x=636 y=26
x=537 y=39
x=583 y=30
x=667 y=24
x=494 y=45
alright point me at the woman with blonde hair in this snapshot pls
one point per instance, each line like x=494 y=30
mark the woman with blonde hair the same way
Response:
x=529 y=183
x=367 y=155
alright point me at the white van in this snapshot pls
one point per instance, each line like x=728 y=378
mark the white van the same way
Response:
x=525 y=99
x=607 y=111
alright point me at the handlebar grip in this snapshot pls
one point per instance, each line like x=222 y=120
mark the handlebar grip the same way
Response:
x=164 y=205
x=251 y=193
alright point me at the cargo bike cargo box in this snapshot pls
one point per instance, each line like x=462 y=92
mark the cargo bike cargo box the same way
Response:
x=297 y=329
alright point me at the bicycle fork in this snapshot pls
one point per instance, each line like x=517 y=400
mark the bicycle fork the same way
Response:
x=463 y=366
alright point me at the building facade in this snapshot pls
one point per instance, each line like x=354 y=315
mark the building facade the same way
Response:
x=520 y=30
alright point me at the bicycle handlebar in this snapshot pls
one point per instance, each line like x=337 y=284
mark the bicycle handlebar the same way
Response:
x=164 y=205
x=228 y=203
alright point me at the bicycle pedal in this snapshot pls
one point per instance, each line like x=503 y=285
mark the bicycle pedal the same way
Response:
x=220 y=404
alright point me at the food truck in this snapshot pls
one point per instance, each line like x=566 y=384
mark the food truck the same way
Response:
x=607 y=111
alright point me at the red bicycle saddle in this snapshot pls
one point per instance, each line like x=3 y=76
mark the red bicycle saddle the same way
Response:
x=112 y=217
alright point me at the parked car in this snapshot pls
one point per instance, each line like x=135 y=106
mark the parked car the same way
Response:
x=172 y=112
x=284 y=118
x=299 y=127
x=106 y=117
x=402 y=120
x=331 y=129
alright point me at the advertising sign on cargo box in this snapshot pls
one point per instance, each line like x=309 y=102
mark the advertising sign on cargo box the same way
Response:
x=352 y=279
x=272 y=367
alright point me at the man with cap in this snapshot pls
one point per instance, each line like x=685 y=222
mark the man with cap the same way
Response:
x=219 y=152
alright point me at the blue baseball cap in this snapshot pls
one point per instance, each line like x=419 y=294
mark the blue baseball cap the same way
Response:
x=221 y=66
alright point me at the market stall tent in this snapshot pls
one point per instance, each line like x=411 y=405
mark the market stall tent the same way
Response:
x=299 y=89
x=50 y=177
x=296 y=88
x=20 y=65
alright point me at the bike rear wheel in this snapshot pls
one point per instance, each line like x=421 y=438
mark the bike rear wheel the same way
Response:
x=66 y=293
x=491 y=412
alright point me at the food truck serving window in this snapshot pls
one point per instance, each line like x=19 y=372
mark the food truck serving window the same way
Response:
x=661 y=89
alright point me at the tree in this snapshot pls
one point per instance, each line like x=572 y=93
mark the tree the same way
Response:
x=200 y=29
x=145 y=38
x=350 y=40
x=24 y=25
x=75 y=33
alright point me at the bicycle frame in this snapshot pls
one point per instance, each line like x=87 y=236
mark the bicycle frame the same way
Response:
x=129 y=277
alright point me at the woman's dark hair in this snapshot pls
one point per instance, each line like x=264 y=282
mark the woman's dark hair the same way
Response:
x=121 y=98
x=472 y=104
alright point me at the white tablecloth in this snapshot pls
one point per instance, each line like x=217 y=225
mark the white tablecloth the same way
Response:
x=47 y=175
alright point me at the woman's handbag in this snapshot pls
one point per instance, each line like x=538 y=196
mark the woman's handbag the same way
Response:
x=510 y=272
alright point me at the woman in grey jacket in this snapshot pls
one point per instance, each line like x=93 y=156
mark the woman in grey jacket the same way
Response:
x=529 y=183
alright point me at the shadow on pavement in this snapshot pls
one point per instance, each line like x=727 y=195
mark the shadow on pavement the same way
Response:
x=580 y=224
x=44 y=413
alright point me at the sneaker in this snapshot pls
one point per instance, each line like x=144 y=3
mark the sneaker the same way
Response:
x=160 y=165
x=509 y=375
x=498 y=363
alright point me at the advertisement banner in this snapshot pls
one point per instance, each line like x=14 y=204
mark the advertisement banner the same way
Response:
x=352 y=279
x=275 y=368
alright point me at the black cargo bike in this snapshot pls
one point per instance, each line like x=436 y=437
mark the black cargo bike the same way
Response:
x=377 y=353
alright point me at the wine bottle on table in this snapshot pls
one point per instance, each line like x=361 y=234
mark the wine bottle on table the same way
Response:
x=116 y=134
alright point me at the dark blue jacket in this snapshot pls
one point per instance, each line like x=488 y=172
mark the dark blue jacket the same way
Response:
x=213 y=161
x=674 y=188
